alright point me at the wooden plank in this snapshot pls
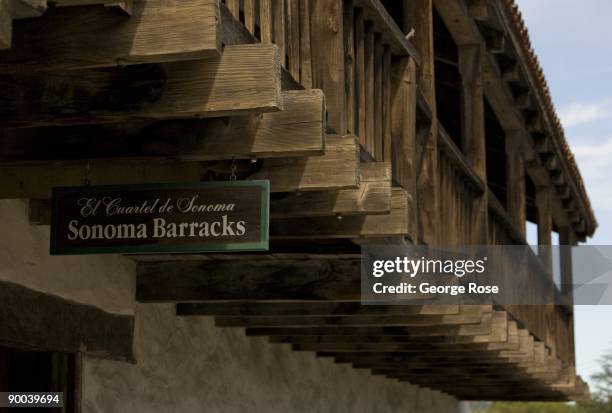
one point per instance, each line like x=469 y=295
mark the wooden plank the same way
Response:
x=293 y=37
x=349 y=66
x=6 y=26
x=278 y=23
x=38 y=321
x=245 y=79
x=305 y=53
x=234 y=7
x=87 y=37
x=515 y=177
x=337 y=169
x=298 y=130
x=327 y=31
x=372 y=197
x=393 y=224
x=545 y=226
x=26 y=9
x=378 y=98
x=386 y=107
x=265 y=21
x=313 y=308
x=360 y=77
x=386 y=25
x=403 y=108
x=369 y=74
x=249 y=280
x=249 y=15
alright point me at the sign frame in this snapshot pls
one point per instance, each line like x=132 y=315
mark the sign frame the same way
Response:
x=261 y=245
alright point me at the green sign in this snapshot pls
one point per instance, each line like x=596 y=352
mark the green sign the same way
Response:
x=161 y=218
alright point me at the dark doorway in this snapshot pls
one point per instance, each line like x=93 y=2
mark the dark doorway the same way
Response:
x=38 y=371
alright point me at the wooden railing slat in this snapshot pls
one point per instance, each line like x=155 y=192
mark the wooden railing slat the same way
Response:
x=249 y=15
x=369 y=78
x=349 y=64
x=360 y=79
x=278 y=10
x=305 y=54
x=265 y=20
x=234 y=8
x=386 y=108
x=378 y=96
x=293 y=30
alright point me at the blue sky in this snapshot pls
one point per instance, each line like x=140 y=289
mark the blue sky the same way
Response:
x=574 y=43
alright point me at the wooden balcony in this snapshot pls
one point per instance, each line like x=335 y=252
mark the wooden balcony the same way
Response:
x=331 y=102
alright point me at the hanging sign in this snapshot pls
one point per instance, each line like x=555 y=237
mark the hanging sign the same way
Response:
x=164 y=218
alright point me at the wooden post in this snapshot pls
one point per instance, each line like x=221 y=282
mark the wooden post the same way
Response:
x=515 y=180
x=471 y=58
x=418 y=15
x=545 y=223
x=403 y=135
x=327 y=31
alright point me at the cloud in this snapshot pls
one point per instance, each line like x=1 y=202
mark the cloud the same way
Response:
x=581 y=113
x=595 y=161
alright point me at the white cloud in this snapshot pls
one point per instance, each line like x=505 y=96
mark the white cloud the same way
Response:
x=580 y=113
x=595 y=162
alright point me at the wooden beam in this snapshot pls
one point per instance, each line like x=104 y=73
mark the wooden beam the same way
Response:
x=337 y=169
x=394 y=224
x=371 y=198
x=87 y=37
x=244 y=79
x=298 y=130
x=38 y=321
x=26 y=9
x=305 y=308
x=249 y=280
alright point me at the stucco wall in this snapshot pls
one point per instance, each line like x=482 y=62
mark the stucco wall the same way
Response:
x=106 y=281
x=187 y=364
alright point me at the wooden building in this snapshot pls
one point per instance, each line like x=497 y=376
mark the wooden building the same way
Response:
x=414 y=121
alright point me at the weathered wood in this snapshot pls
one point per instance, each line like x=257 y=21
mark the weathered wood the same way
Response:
x=393 y=224
x=278 y=24
x=545 y=226
x=234 y=7
x=515 y=181
x=249 y=280
x=26 y=9
x=337 y=169
x=293 y=37
x=360 y=77
x=372 y=197
x=370 y=84
x=34 y=320
x=473 y=131
x=385 y=24
x=403 y=134
x=298 y=130
x=386 y=106
x=327 y=34
x=377 y=103
x=87 y=37
x=6 y=25
x=244 y=79
x=265 y=21
x=249 y=15
x=313 y=308
x=349 y=66
x=305 y=47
